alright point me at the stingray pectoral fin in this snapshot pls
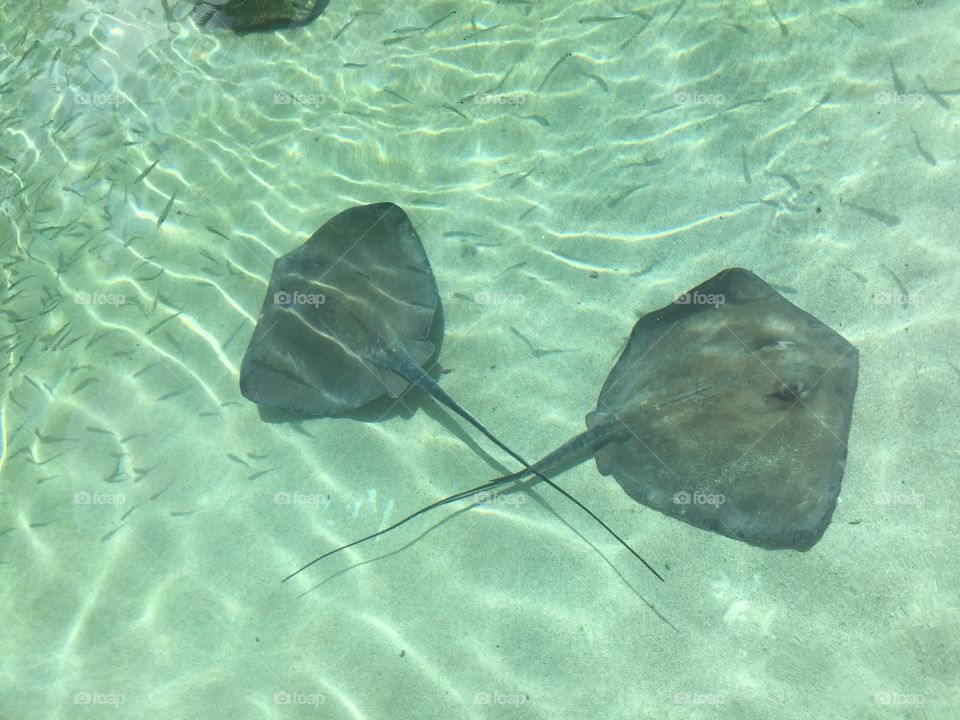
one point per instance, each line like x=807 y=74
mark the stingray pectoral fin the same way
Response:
x=420 y=350
x=394 y=384
x=595 y=418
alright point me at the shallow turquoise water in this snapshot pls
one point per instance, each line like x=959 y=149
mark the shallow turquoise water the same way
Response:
x=148 y=512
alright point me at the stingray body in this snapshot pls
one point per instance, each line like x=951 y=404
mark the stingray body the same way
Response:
x=347 y=319
x=728 y=409
x=243 y=16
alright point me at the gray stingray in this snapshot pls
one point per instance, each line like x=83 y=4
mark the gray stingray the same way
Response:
x=244 y=16
x=729 y=409
x=347 y=319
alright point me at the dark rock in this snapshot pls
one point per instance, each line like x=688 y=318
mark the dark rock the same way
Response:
x=243 y=16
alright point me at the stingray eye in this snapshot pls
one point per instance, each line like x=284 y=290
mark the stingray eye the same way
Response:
x=789 y=392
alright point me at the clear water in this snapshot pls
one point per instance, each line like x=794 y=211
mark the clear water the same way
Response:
x=148 y=512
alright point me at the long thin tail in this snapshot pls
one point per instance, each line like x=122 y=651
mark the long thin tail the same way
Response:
x=586 y=441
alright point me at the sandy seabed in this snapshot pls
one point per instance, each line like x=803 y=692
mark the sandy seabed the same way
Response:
x=569 y=167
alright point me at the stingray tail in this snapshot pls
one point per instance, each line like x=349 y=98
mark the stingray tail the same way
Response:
x=591 y=440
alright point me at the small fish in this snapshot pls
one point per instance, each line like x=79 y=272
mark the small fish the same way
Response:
x=159 y=324
x=237 y=459
x=596 y=78
x=856 y=23
x=539 y=119
x=937 y=97
x=783 y=28
x=166 y=210
x=388 y=91
x=923 y=152
x=350 y=22
x=613 y=202
x=526 y=213
x=160 y=492
x=898 y=85
x=432 y=25
x=480 y=31
x=111 y=533
x=886 y=218
x=217 y=232
x=142 y=473
x=552 y=70
x=788 y=179
x=601 y=18
x=448 y=106
x=146 y=172
x=206 y=254
x=24 y=56
x=152 y=277
x=675 y=12
x=523 y=176
x=56 y=56
x=82 y=385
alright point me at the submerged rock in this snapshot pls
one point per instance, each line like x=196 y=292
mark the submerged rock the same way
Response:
x=252 y=15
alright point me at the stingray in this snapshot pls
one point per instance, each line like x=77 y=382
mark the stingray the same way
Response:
x=347 y=319
x=728 y=409
x=243 y=16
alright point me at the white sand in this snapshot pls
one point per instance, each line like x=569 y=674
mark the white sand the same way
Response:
x=503 y=611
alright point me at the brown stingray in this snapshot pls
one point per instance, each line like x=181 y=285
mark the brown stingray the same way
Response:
x=729 y=409
x=243 y=16
x=346 y=319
